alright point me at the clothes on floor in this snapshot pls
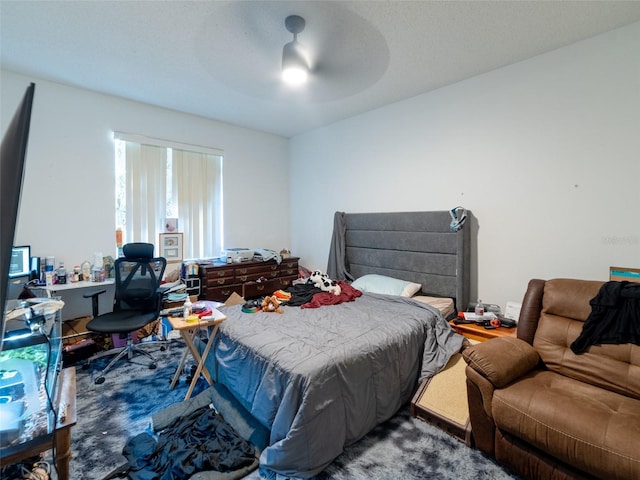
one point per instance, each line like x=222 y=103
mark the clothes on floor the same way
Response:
x=200 y=441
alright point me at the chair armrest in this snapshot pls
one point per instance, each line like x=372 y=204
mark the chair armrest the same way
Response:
x=501 y=360
x=94 y=300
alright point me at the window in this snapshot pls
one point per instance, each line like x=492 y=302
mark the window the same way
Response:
x=157 y=180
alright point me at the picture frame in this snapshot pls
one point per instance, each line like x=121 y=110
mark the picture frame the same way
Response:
x=171 y=246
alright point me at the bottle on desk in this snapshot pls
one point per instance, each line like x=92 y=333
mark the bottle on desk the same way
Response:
x=75 y=276
x=97 y=274
x=62 y=274
x=187 y=308
x=479 y=310
x=86 y=271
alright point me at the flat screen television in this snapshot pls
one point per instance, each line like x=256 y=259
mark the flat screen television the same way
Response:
x=20 y=263
x=12 y=158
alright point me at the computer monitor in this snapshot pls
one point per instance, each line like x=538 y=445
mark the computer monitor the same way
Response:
x=20 y=264
x=12 y=158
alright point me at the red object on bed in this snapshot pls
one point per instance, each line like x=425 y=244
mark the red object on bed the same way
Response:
x=347 y=294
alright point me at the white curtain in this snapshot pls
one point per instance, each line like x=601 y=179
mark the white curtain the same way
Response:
x=146 y=171
x=197 y=179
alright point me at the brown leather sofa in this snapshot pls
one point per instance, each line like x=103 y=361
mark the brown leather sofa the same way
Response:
x=545 y=412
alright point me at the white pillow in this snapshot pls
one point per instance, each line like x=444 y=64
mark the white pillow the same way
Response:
x=391 y=286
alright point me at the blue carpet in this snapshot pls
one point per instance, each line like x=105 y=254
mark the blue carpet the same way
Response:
x=121 y=407
x=108 y=414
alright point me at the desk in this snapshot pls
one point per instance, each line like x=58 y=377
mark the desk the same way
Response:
x=188 y=331
x=75 y=305
x=66 y=405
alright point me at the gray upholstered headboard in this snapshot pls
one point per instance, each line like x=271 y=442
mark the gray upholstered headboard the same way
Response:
x=415 y=246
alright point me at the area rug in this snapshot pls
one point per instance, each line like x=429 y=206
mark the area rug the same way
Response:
x=108 y=414
x=121 y=407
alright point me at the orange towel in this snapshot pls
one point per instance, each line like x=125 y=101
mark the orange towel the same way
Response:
x=282 y=295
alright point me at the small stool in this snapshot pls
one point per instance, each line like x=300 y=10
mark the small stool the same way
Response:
x=188 y=331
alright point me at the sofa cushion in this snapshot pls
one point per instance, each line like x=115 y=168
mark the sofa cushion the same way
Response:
x=541 y=409
x=501 y=360
x=566 y=297
x=565 y=307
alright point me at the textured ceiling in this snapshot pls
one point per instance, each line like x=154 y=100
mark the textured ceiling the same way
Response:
x=221 y=60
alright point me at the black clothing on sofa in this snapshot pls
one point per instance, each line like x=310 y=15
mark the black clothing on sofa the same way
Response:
x=614 y=318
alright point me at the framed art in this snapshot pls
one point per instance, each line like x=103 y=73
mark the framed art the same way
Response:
x=171 y=246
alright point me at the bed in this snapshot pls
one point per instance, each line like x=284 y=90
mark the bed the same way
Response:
x=417 y=246
x=319 y=379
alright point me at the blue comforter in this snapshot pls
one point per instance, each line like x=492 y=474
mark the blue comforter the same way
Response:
x=322 y=378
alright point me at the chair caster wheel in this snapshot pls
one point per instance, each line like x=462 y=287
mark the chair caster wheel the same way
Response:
x=163 y=348
x=99 y=380
x=153 y=366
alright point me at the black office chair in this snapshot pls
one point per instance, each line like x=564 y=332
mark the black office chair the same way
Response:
x=136 y=303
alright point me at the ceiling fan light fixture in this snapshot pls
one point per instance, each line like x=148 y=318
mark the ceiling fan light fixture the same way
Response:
x=295 y=67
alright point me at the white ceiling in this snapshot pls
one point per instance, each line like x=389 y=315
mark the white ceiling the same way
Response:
x=221 y=60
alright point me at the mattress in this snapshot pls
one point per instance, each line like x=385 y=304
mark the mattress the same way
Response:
x=320 y=379
x=445 y=305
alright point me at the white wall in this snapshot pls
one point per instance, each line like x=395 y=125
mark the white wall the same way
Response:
x=545 y=152
x=67 y=205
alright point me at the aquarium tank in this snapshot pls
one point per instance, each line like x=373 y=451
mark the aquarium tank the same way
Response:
x=30 y=361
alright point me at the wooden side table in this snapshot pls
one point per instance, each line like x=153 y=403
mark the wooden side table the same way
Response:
x=188 y=331
x=66 y=405
x=479 y=333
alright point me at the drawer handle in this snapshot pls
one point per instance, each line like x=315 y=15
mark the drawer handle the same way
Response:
x=243 y=270
x=243 y=278
x=220 y=282
x=274 y=267
x=226 y=292
x=220 y=274
x=260 y=287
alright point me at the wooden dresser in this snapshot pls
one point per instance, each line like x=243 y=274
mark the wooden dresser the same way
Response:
x=249 y=279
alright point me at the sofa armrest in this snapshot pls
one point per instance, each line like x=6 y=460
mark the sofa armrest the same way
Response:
x=479 y=398
x=501 y=360
x=530 y=311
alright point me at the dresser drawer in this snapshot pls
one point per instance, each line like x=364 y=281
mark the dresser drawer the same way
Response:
x=286 y=282
x=255 y=289
x=289 y=263
x=252 y=277
x=290 y=271
x=219 y=294
x=288 y=268
x=217 y=272
x=262 y=269
x=219 y=281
